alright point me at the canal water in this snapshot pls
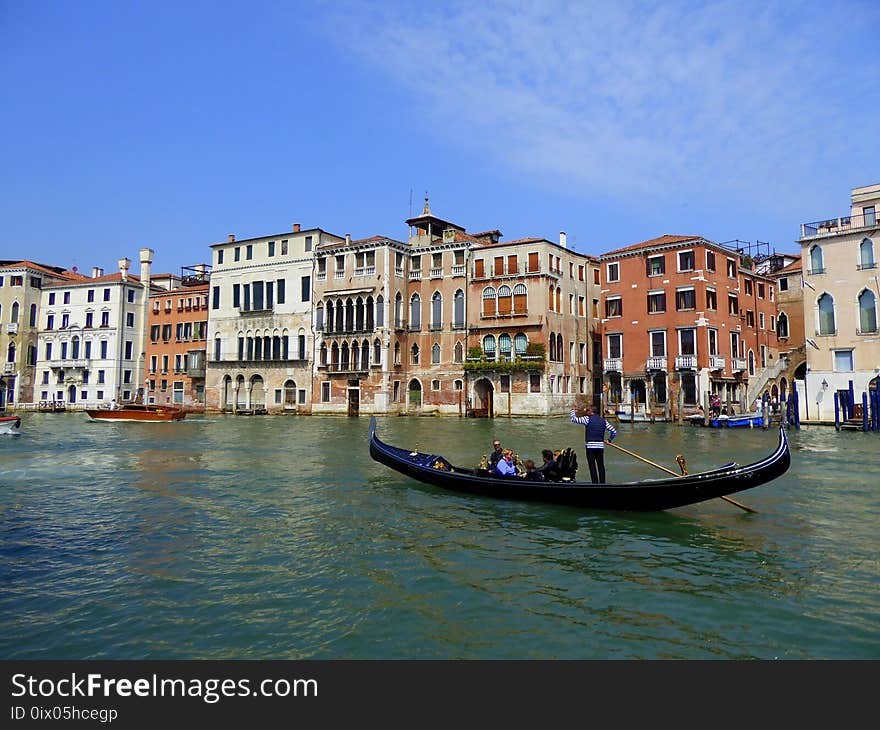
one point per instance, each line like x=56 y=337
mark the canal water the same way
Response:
x=279 y=538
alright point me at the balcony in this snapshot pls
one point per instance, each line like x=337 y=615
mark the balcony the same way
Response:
x=416 y=274
x=69 y=363
x=458 y=270
x=12 y=328
x=339 y=274
x=437 y=273
x=656 y=363
x=686 y=362
x=365 y=271
x=321 y=276
x=196 y=372
x=398 y=272
x=843 y=224
x=8 y=368
x=613 y=365
x=738 y=364
x=716 y=362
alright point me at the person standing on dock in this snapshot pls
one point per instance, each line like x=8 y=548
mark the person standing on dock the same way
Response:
x=594 y=435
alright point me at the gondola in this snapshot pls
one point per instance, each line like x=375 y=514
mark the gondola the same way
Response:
x=642 y=496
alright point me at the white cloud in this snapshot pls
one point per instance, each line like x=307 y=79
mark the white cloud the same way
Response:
x=739 y=98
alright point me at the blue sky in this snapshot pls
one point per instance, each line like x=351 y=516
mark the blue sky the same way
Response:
x=171 y=125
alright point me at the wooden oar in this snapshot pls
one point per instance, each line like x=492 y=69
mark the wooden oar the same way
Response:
x=669 y=471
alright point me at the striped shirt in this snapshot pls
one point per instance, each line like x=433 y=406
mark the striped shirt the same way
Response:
x=594 y=431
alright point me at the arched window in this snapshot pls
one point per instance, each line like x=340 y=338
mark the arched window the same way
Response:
x=866 y=254
x=319 y=318
x=488 y=302
x=504 y=345
x=817 y=261
x=782 y=325
x=10 y=352
x=458 y=310
x=380 y=311
x=74 y=348
x=489 y=346
x=867 y=312
x=330 y=317
x=415 y=312
x=365 y=355
x=13 y=317
x=826 y=315
x=398 y=311
x=359 y=315
x=343 y=361
x=340 y=318
x=560 y=355
x=436 y=311
x=520 y=299
x=559 y=299
x=505 y=300
x=290 y=394
x=323 y=355
x=435 y=354
x=751 y=362
x=334 y=356
x=33 y=319
x=552 y=342
x=397 y=353
x=551 y=303
x=355 y=355
x=371 y=314
x=377 y=352
x=414 y=355
x=217 y=349
x=458 y=353
x=520 y=342
x=349 y=315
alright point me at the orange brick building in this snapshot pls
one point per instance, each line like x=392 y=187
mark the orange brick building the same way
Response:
x=177 y=342
x=684 y=317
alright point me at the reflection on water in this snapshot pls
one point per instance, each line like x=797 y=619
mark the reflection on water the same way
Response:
x=280 y=538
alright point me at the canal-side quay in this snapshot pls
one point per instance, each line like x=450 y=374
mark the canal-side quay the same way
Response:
x=257 y=538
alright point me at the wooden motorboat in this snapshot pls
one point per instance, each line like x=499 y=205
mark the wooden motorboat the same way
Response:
x=137 y=412
x=645 y=495
x=10 y=425
x=743 y=420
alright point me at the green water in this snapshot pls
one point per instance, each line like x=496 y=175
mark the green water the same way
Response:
x=279 y=538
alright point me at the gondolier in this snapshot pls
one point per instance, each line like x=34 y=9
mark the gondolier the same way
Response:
x=594 y=435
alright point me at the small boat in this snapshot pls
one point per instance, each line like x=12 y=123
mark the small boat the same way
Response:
x=137 y=412
x=10 y=425
x=747 y=420
x=644 y=495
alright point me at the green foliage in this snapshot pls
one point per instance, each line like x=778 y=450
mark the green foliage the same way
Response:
x=507 y=366
x=476 y=353
x=536 y=348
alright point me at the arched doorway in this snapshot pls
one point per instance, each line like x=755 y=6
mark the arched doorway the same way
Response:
x=240 y=393
x=71 y=394
x=258 y=393
x=484 y=399
x=415 y=393
x=226 y=403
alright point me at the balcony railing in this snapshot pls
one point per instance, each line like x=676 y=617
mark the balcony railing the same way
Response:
x=437 y=273
x=458 y=270
x=198 y=372
x=365 y=271
x=656 y=363
x=838 y=225
x=686 y=362
x=738 y=364
x=716 y=362
x=321 y=276
x=73 y=363
x=416 y=274
x=339 y=274
x=613 y=364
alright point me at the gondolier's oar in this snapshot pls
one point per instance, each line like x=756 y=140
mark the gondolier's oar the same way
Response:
x=669 y=471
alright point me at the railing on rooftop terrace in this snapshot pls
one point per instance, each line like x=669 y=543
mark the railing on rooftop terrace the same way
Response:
x=838 y=225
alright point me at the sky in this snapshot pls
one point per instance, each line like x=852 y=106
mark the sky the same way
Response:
x=171 y=125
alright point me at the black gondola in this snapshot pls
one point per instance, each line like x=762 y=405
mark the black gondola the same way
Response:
x=644 y=496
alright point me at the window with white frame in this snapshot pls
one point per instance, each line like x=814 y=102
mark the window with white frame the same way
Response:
x=612 y=272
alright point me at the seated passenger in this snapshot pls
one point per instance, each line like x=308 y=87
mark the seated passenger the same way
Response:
x=532 y=473
x=505 y=467
x=549 y=470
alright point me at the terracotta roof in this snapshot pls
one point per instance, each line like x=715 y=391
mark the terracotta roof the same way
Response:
x=793 y=266
x=82 y=279
x=664 y=240
x=37 y=267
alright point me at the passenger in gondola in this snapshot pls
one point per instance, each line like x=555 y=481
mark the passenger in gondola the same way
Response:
x=505 y=467
x=532 y=473
x=495 y=456
x=549 y=470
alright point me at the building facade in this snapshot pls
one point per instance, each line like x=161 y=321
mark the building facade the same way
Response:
x=260 y=337
x=839 y=266
x=683 y=317
x=91 y=342
x=176 y=350
x=21 y=285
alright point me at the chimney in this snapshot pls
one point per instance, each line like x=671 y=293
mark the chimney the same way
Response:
x=347 y=238
x=124 y=266
x=146 y=260
x=231 y=238
x=563 y=239
x=296 y=227
x=97 y=272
